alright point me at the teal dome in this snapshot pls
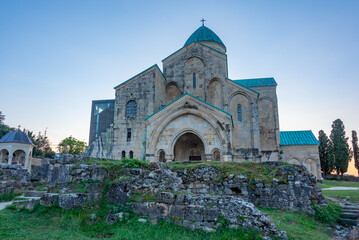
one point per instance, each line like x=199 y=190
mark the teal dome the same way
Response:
x=203 y=33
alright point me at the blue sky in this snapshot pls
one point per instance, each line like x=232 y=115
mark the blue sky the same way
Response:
x=58 y=56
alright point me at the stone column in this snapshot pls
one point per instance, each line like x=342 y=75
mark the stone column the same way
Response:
x=26 y=161
x=10 y=159
x=169 y=157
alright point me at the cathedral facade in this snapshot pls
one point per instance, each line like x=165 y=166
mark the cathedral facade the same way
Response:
x=192 y=111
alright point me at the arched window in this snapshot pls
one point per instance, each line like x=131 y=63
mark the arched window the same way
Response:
x=131 y=155
x=131 y=109
x=194 y=80
x=123 y=154
x=239 y=112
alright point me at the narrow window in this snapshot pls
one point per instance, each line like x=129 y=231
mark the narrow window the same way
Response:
x=131 y=155
x=194 y=80
x=128 y=134
x=123 y=154
x=131 y=109
x=239 y=112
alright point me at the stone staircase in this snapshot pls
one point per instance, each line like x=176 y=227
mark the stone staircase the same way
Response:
x=350 y=215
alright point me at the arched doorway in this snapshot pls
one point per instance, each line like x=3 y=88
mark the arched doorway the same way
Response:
x=216 y=155
x=189 y=147
x=162 y=156
x=19 y=157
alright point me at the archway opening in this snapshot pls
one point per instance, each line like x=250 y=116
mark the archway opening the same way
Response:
x=189 y=147
x=19 y=157
x=4 y=156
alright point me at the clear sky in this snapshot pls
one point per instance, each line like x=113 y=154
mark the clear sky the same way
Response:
x=58 y=56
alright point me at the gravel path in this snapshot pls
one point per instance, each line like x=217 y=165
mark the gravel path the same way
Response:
x=341 y=188
x=4 y=204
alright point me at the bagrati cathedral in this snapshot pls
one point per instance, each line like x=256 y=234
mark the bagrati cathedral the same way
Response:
x=193 y=111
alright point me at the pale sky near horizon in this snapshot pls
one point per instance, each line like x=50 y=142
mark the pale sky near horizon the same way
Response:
x=58 y=56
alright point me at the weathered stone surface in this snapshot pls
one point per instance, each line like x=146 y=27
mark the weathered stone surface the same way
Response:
x=98 y=173
x=49 y=199
x=118 y=193
x=67 y=159
x=111 y=219
x=31 y=203
x=166 y=197
x=94 y=191
x=72 y=200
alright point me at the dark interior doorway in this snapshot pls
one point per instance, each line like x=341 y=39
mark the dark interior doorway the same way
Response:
x=189 y=147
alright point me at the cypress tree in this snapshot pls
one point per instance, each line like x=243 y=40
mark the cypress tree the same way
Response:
x=340 y=147
x=323 y=152
x=355 y=150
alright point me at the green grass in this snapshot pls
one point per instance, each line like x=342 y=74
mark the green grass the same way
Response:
x=7 y=197
x=55 y=223
x=335 y=183
x=250 y=169
x=115 y=164
x=352 y=195
x=299 y=225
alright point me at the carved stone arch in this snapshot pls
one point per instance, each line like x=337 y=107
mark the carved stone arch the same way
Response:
x=215 y=92
x=178 y=112
x=216 y=154
x=194 y=56
x=240 y=93
x=173 y=91
x=294 y=161
x=184 y=132
x=194 y=76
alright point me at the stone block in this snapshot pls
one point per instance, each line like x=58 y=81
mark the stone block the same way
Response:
x=118 y=193
x=210 y=215
x=49 y=199
x=166 y=197
x=31 y=203
x=194 y=213
x=98 y=173
x=176 y=211
x=72 y=200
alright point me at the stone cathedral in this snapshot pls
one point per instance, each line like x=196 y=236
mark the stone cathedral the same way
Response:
x=193 y=111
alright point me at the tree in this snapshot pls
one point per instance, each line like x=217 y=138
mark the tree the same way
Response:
x=326 y=161
x=2 y=118
x=340 y=147
x=355 y=150
x=71 y=145
x=42 y=145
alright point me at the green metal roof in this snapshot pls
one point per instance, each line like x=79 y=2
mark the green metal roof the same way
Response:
x=257 y=82
x=298 y=138
x=203 y=33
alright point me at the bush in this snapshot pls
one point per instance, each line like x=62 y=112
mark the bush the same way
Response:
x=329 y=214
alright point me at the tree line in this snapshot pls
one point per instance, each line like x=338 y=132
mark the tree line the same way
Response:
x=334 y=151
x=42 y=147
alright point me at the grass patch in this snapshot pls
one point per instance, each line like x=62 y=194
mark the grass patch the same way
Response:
x=55 y=223
x=265 y=172
x=7 y=197
x=114 y=164
x=336 y=183
x=299 y=225
x=352 y=195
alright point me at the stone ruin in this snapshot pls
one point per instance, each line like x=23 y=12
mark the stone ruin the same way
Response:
x=195 y=197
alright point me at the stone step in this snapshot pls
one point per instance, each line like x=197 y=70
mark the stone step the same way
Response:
x=349 y=215
x=350 y=211
x=349 y=222
x=35 y=194
x=351 y=207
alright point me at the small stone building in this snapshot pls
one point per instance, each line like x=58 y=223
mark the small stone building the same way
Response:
x=16 y=148
x=192 y=110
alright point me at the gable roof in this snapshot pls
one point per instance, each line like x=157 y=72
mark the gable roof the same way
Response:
x=16 y=137
x=297 y=138
x=193 y=97
x=156 y=66
x=257 y=82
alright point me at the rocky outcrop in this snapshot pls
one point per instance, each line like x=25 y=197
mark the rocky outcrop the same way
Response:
x=207 y=212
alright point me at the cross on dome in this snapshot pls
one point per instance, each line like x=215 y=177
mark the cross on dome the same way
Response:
x=203 y=20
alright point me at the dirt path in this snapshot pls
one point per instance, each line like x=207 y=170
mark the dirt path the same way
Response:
x=341 y=188
x=4 y=204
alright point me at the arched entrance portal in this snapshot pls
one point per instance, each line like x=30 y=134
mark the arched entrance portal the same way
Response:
x=189 y=147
